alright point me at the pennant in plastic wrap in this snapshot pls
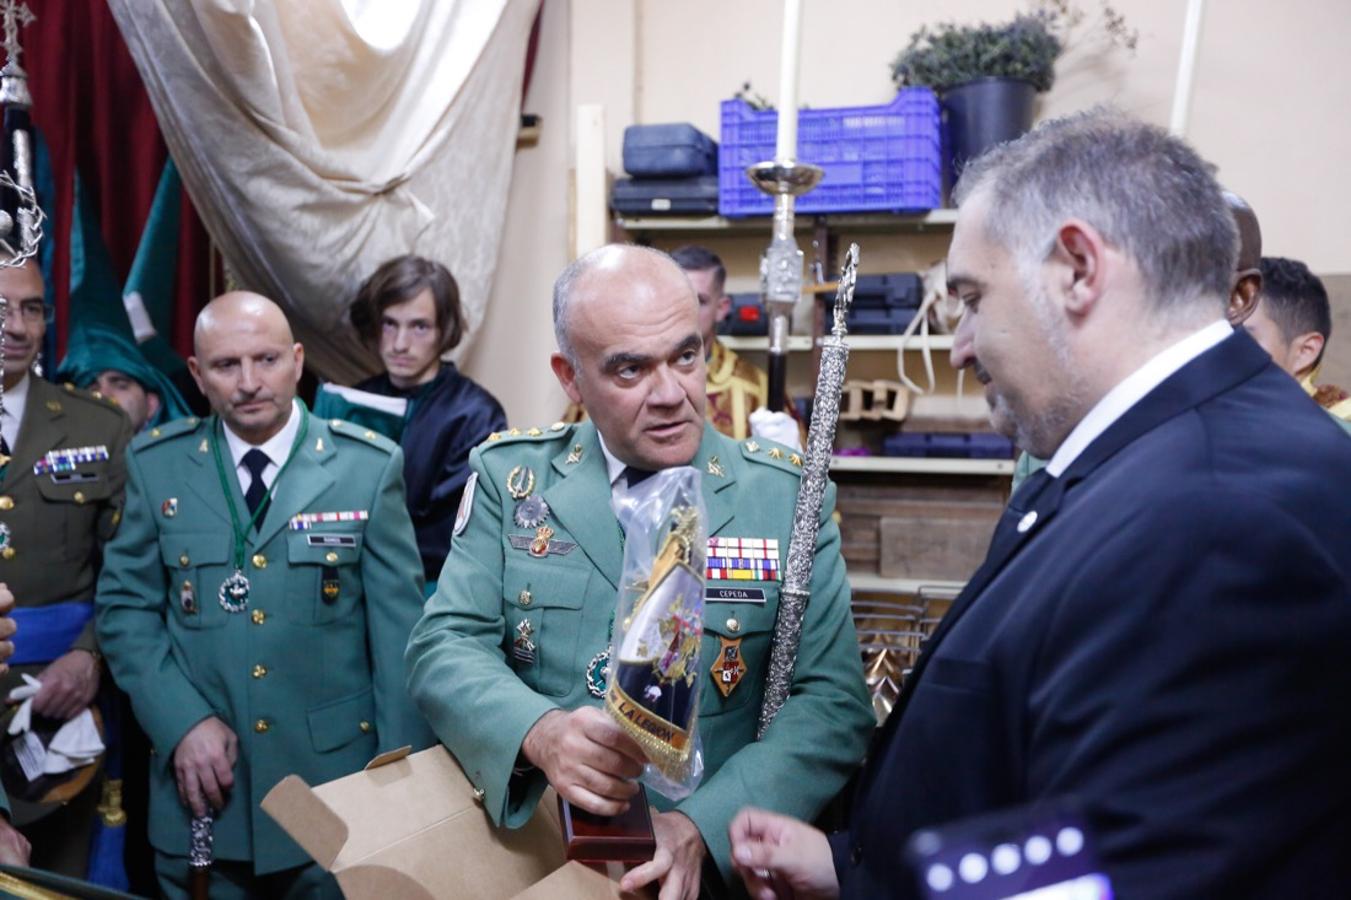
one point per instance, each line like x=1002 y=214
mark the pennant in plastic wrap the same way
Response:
x=655 y=678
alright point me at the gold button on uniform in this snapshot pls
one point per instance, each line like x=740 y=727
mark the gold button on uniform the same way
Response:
x=259 y=561
x=365 y=727
x=184 y=560
x=7 y=553
x=734 y=624
x=258 y=616
x=261 y=726
x=259 y=670
x=6 y=503
x=525 y=598
x=478 y=794
x=331 y=556
x=79 y=497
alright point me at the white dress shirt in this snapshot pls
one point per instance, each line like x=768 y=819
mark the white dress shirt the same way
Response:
x=1132 y=389
x=277 y=448
x=16 y=401
x=619 y=486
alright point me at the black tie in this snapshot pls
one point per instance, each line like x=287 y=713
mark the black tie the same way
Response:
x=256 y=461
x=4 y=447
x=636 y=476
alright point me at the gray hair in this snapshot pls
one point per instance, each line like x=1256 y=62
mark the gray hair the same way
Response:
x=567 y=281
x=1147 y=192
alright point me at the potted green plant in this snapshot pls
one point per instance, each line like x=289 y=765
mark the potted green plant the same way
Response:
x=988 y=76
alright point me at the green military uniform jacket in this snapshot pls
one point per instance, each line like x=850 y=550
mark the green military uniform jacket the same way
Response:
x=59 y=521
x=481 y=701
x=312 y=683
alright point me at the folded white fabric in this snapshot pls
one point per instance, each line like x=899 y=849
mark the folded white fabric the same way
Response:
x=775 y=426
x=23 y=717
x=75 y=744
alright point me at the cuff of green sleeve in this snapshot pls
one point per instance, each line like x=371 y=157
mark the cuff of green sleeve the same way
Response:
x=712 y=823
x=511 y=798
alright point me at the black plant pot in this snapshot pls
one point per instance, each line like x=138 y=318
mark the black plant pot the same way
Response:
x=981 y=113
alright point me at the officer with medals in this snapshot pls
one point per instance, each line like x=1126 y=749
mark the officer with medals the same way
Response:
x=256 y=604
x=509 y=661
x=61 y=494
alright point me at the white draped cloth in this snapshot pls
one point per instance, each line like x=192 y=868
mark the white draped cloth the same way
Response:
x=319 y=138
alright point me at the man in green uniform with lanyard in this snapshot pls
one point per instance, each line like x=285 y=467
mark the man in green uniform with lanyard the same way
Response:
x=256 y=603
x=509 y=661
x=61 y=493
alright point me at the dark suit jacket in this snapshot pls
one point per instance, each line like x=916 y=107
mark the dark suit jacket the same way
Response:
x=1170 y=643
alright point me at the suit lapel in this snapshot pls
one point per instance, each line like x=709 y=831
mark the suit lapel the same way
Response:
x=725 y=457
x=207 y=484
x=304 y=481
x=1232 y=361
x=580 y=500
x=42 y=429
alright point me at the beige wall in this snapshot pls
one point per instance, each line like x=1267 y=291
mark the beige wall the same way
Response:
x=1273 y=84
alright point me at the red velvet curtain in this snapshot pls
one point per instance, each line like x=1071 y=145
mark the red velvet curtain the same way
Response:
x=91 y=108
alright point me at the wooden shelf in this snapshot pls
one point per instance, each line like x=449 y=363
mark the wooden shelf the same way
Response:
x=878 y=584
x=860 y=342
x=921 y=465
x=850 y=223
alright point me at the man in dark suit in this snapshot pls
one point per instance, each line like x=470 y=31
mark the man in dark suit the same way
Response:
x=1160 y=627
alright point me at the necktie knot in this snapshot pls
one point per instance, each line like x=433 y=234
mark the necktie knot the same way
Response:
x=635 y=476
x=256 y=461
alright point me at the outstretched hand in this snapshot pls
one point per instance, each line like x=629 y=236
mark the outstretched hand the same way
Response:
x=781 y=858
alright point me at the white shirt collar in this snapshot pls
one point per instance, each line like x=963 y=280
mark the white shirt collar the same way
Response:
x=613 y=467
x=16 y=401
x=1132 y=389
x=277 y=447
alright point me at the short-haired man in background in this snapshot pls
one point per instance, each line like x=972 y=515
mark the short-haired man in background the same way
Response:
x=1293 y=322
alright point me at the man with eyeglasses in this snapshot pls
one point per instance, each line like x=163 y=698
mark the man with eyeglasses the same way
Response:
x=61 y=495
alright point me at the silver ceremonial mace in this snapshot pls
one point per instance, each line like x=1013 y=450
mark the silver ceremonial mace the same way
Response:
x=797 y=571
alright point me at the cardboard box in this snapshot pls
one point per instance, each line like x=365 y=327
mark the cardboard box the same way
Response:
x=410 y=826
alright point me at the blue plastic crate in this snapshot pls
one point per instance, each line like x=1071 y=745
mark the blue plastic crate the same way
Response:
x=876 y=158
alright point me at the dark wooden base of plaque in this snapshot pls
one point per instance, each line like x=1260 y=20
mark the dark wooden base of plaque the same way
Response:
x=590 y=838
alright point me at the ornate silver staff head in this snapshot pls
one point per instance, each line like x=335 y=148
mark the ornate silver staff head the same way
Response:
x=14 y=14
x=844 y=294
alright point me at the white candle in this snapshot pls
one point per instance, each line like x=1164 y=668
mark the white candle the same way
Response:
x=786 y=146
x=1186 y=68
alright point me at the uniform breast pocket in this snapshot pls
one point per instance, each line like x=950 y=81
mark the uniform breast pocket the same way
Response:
x=79 y=495
x=734 y=655
x=324 y=581
x=542 y=602
x=197 y=563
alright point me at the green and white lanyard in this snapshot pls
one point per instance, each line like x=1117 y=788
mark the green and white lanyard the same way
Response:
x=234 y=591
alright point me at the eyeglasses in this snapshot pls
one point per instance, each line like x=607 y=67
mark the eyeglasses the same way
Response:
x=31 y=311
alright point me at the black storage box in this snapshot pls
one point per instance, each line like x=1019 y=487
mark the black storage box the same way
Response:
x=644 y=196
x=879 y=320
x=980 y=445
x=899 y=289
x=677 y=150
x=747 y=317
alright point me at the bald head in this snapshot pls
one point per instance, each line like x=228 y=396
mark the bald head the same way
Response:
x=237 y=309
x=594 y=275
x=247 y=363
x=1247 y=271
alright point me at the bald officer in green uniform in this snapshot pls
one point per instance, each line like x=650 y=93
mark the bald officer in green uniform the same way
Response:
x=508 y=661
x=61 y=496
x=256 y=603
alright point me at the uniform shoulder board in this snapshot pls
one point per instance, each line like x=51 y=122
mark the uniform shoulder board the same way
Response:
x=514 y=435
x=161 y=433
x=93 y=398
x=361 y=434
x=771 y=454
